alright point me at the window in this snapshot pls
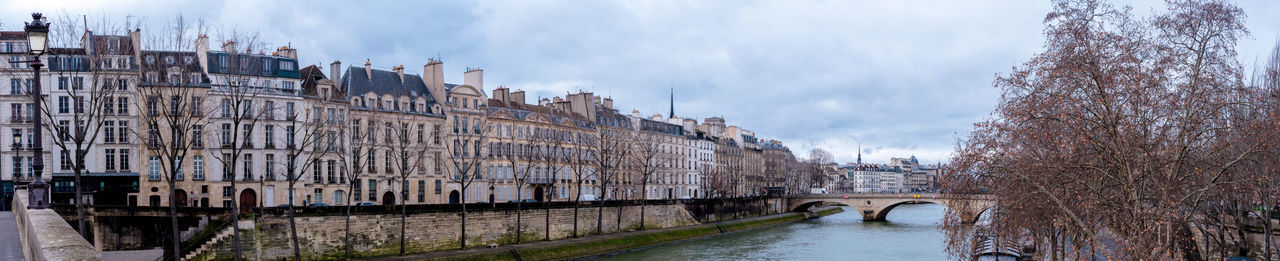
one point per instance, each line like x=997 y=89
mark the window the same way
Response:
x=196 y=104
x=109 y=131
x=330 y=170
x=79 y=103
x=355 y=186
x=435 y=134
x=197 y=137
x=226 y=108
x=226 y=191
x=248 y=167
x=153 y=168
x=438 y=187
x=122 y=105
x=66 y=160
x=124 y=160
x=64 y=104
x=65 y=132
x=63 y=82
x=178 y=165
x=422 y=191
x=373 y=189
x=421 y=133
x=122 y=84
x=315 y=172
x=288 y=110
x=271 y=167
x=226 y=135
x=289 y=131
x=123 y=132
x=270 y=133
x=390 y=166
x=77 y=83
x=247 y=136
x=17 y=166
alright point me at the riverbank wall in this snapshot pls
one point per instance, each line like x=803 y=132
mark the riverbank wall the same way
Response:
x=608 y=244
x=375 y=230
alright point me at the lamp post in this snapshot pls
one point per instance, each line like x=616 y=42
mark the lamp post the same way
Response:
x=37 y=41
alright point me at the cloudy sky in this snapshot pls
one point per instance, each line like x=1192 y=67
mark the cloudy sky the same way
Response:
x=897 y=78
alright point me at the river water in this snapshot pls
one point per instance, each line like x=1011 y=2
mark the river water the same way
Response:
x=911 y=233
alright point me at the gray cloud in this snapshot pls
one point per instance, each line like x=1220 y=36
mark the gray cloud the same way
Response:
x=896 y=78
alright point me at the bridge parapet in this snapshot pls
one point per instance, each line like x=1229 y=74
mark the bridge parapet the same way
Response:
x=44 y=235
x=876 y=207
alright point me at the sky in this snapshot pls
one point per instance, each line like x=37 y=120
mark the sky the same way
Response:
x=888 y=78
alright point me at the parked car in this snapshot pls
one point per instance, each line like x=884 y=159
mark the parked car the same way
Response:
x=366 y=204
x=529 y=200
x=685 y=197
x=318 y=205
x=283 y=206
x=588 y=197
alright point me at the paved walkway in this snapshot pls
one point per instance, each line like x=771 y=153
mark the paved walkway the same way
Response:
x=9 y=248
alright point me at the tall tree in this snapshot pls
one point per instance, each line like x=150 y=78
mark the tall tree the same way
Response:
x=612 y=150
x=1118 y=137
x=647 y=159
x=308 y=139
x=554 y=156
x=409 y=154
x=236 y=117
x=172 y=113
x=353 y=157
x=466 y=156
x=582 y=162
x=521 y=154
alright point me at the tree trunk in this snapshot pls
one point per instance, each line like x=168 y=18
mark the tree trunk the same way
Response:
x=519 y=203
x=463 y=197
x=619 y=207
x=403 y=215
x=644 y=196
x=577 y=202
x=547 y=226
x=84 y=232
x=346 y=237
x=600 y=213
x=173 y=222
x=293 y=227
x=235 y=215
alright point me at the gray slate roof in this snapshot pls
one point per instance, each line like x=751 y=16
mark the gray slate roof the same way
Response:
x=357 y=83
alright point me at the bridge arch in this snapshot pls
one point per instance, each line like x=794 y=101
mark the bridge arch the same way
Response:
x=876 y=207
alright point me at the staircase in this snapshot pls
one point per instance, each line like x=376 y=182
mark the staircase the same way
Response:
x=191 y=231
x=216 y=242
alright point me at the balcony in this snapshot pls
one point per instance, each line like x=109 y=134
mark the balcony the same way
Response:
x=23 y=119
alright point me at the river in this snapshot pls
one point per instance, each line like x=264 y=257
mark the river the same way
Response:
x=911 y=233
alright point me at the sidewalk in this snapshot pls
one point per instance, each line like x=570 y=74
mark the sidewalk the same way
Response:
x=9 y=243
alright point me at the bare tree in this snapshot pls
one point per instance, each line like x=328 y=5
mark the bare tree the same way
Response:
x=237 y=117
x=582 y=161
x=173 y=110
x=554 y=156
x=466 y=155
x=303 y=129
x=612 y=150
x=647 y=159
x=353 y=157
x=409 y=157
x=1119 y=138
x=521 y=153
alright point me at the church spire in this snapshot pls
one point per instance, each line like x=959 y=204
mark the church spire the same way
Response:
x=859 y=154
x=672 y=113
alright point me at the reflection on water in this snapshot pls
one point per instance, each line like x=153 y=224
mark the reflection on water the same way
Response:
x=910 y=234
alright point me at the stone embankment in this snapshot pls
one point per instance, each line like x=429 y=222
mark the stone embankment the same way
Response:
x=44 y=235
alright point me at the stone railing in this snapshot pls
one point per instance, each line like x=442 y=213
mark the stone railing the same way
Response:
x=44 y=235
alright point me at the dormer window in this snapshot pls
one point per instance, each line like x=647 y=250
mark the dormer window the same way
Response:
x=168 y=60
x=151 y=59
x=187 y=60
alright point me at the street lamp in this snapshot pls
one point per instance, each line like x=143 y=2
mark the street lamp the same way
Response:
x=37 y=41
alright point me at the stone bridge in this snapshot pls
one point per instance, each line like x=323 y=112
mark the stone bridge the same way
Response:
x=875 y=207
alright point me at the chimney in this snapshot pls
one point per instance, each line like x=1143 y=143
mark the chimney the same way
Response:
x=335 y=71
x=368 y=68
x=433 y=77
x=399 y=69
x=581 y=103
x=608 y=103
x=475 y=78
x=502 y=95
x=517 y=96
x=286 y=51
x=202 y=51
x=229 y=46
x=544 y=102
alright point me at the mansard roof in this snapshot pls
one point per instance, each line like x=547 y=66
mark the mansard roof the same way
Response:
x=356 y=82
